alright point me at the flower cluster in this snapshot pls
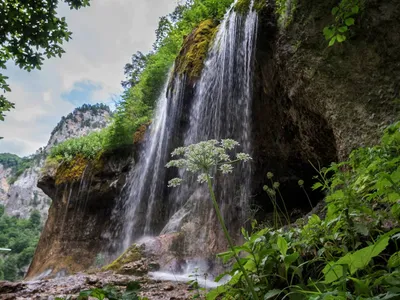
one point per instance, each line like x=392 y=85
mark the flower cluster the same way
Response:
x=203 y=157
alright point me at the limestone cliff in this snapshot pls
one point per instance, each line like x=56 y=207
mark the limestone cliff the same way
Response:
x=80 y=214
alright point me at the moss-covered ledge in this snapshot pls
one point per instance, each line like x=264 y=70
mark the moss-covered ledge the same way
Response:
x=190 y=61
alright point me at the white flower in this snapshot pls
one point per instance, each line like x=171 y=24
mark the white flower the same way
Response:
x=204 y=157
x=226 y=169
x=178 y=151
x=224 y=157
x=229 y=144
x=202 y=178
x=243 y=156
x=174 y=182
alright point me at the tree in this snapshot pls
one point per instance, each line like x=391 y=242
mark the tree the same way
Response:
x=10 y=268
x=34 y=219
x=134 y=69
x=30 y=31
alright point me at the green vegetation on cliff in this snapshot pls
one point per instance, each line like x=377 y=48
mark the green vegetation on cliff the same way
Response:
x=21 y=236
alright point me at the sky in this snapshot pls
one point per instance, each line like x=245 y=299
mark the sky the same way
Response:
x=105 y=35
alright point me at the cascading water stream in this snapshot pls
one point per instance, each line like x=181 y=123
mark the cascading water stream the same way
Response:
x=148 y=179
x=221 y=108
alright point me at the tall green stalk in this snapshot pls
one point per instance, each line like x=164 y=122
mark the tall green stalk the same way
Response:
x=229 y=239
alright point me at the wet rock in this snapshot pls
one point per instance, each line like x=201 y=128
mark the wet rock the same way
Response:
x=71 y=286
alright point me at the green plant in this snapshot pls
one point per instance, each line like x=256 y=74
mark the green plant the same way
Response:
x=194 y=284
x=351 y=253
x=111 y=293
x=344 y=16
x=272 y=192
x=205 y=158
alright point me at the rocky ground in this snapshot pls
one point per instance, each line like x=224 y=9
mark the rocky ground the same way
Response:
x=70 y=287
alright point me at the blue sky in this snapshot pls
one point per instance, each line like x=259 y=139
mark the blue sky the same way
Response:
x=105 y=35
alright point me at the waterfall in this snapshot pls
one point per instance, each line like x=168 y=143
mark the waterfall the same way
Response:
x=148 y=181
x=220 y=108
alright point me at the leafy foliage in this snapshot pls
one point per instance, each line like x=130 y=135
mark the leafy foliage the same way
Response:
x=350 y=254
x=29 y=32
x=87 y=146
x=21 y=236
x=344 y=16
x=111 y=293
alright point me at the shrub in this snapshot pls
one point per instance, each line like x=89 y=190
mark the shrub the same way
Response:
x=350 y=254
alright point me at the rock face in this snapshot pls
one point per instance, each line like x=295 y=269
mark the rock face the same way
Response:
x=23 y=196
x=311 y=103
x=80 y=214
x=315 y=103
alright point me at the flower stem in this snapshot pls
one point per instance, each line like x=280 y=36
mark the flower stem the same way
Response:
x=229 y=239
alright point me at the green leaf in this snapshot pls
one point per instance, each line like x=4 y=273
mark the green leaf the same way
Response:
x=212 y=295
x=394 y=260
x=355 y=261
x=282 y=245
x=317 y=185
x=341 y=38
x=343 y=29
x=272 y=293
x=335 y=10
x=328 y=33
x=349 y=21
x=291 y=258
x=355 y=9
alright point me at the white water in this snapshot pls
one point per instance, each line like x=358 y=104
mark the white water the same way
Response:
x=220 y=108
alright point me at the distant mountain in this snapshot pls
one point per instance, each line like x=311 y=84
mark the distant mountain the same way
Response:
x=18 y=176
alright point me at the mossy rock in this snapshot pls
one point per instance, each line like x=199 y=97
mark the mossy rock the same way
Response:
x=195 y=49
x=242 y=7
x=140 y=133
x=71 y=171
x=132 y=254
x=259 y=5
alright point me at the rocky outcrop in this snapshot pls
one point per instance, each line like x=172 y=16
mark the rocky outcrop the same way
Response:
x=315 y=103
x=80 y=215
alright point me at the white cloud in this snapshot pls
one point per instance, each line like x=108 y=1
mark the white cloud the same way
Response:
x=105 y=35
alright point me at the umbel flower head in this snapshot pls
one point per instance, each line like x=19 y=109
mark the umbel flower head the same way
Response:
x=203 y=157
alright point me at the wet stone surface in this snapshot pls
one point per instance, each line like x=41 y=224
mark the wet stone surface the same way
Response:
x=70 y=286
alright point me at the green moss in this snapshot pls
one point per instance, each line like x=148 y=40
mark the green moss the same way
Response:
x=259 y=5
x=285 y=10
x=71 y=171
x=139 y=135
x=242 y=7
x=195 y=49
x=133 y=253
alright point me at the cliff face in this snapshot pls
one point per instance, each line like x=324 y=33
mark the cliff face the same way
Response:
x=311 y=103
x=22 y=196
x=315 y=103
x=79 y=216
